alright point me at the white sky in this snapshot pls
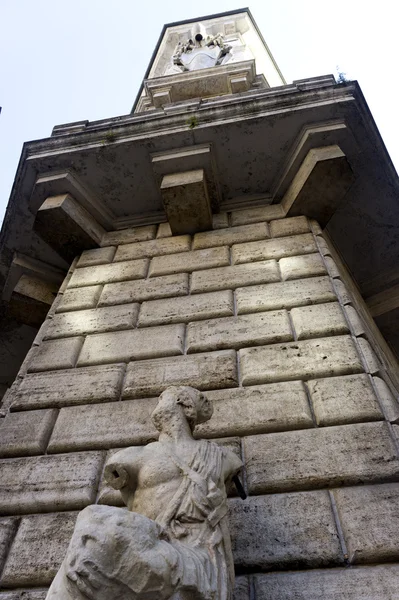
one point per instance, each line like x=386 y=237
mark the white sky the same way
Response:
x=69 y=60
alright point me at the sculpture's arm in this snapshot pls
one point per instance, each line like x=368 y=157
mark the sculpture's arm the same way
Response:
x=232 y=465
x=122 y=469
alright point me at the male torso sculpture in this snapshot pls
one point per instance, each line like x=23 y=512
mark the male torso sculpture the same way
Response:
x=173 y=541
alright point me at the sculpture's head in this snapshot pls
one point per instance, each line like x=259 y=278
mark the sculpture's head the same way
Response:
x=197 y=408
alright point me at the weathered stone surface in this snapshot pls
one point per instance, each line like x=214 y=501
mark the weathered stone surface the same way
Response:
x=26 y=433
x=79 y=298
x=308 y=359
x=25 y=594
x=313 y=458
x=231 y=235
x=38 y=550
x=342 y=292
x=284 y=295
x=164 y=230
x=275 y=248
x=126 y=236
x=189 y=261
x=258 y=409
x=289 y=226
x=56 y=354
x=388 y=402
x=342 y=400
x=369 y=518
x=95 y=320
x=369 y=356
x=211 y=370
x=169 y=245
x=49 y=483
x=241 y=590
x=187 y=308
x=123 y=271
x=8 y=527
x=332 y=267
x=299 y=531
x=97 y=256
x=136 y=344
x=94 y=427
x=234 y=276
x=355 y=321
x=319 y=320
x=237 y=332
x=255 y=215
x=65 y=388
x=372 y=583
x=144 y=289
x=296 y=267
x=220 y=220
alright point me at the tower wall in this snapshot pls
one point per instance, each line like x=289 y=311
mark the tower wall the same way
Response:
x=256 y=313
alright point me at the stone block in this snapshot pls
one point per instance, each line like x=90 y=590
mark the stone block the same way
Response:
x=257 y=409
x=144 y=289
x=355 y=321
x=286 y=294
x=97 y=256
x=231 y=235
x=169 y=245
x=389 y=403
x=342 y=292
x=66 y=388
x=319 y=320
x=189 y=261
x=241 y=589
x=332 y=267
x=369 y=518
x=123 y=271
x=26 y=433
x=49 y=483
x=289 y=226
x=342 y=400
x=274 y=248
x=220 y=220
x=104 y=426
x=56 y=354
x=234 y=276
x=164 y=230
x=187 y=308
x=127 y=236
x=307 y=359
x=238 y=332
x=8 y=527
x=284 y=531
x=38 y=550
x=79 y=298
x=371 y=583
x=211 y=370
x=296 y=267
x=25 y=594
x=95 y=320
x=369 y=356
x=325 y=457
x=134 y=344
x=255 y=215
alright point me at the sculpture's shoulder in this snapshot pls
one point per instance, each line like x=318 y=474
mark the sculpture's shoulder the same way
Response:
x=231 y=462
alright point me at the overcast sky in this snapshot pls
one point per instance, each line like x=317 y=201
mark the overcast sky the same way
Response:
x=69 y=60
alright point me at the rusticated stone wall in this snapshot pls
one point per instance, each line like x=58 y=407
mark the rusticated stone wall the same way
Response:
x=256 y=313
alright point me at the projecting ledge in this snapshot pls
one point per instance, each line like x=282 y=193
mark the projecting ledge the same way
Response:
x=67 y=227
x=186 y=201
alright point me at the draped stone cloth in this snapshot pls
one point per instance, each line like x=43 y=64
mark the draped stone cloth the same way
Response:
x=185 y=554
